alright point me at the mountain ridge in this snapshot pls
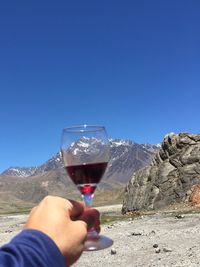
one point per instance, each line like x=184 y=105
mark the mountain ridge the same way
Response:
x=126 y=157
x=21 y=190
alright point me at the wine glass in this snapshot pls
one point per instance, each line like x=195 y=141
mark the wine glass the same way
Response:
x=85 y=152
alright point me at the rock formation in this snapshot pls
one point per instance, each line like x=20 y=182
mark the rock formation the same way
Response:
x=171 y=176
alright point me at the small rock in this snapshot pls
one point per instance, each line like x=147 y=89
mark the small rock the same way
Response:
x=157 y=250
x=113 y=251
x=155 y=245
x=167 y=249
x=8 y=231
x=179 y=216
x=136 y=233
x=152 y=232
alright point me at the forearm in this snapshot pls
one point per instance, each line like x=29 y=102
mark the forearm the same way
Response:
x=31 y=248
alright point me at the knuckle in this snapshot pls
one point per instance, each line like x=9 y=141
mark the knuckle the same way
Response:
x=48 y=198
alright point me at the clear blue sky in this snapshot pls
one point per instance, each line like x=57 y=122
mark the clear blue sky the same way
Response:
x=133 y=66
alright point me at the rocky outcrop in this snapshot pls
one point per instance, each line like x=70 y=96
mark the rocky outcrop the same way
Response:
x=174 y=171
x=194 y=197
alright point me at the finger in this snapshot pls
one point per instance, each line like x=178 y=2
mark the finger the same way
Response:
x=75 y=209
x=91 y=217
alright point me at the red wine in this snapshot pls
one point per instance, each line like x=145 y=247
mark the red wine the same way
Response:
x=87 y=176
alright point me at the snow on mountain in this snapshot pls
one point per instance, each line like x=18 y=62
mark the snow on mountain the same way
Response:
x=120 y=142
x=125 y=158
x=20 y=171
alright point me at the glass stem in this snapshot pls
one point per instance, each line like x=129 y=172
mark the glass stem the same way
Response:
x=88 y=197
x=92 y=234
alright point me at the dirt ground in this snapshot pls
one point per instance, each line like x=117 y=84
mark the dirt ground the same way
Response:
x=165 y=238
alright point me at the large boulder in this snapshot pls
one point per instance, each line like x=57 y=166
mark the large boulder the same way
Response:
x=172 y=174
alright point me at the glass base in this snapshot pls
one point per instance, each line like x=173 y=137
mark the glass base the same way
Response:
x=95 y=241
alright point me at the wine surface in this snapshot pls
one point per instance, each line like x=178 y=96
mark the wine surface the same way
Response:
x=87 y=176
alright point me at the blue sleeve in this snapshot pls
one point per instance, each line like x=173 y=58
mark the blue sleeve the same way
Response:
x=31 y=248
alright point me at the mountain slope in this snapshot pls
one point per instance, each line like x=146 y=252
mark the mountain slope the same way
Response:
x=126 y=157
x=24 y=187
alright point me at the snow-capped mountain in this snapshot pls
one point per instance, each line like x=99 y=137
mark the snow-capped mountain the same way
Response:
x=125 y=158
x=20 y=171
x=87 y=149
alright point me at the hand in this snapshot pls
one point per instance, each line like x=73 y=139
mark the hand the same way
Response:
x=66 y=223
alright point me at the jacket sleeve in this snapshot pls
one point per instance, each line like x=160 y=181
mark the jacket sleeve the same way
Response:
x=31 y=248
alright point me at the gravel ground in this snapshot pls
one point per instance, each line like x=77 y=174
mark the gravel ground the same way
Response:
x=162 y=239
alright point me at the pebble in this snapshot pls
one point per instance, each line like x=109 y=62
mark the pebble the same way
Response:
x=157 y=250
x=179 y=216
x=152 y=232
x=113 y=251
x=155 y=245
x=136 y=233
x=8 y=231
x=167 y=249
